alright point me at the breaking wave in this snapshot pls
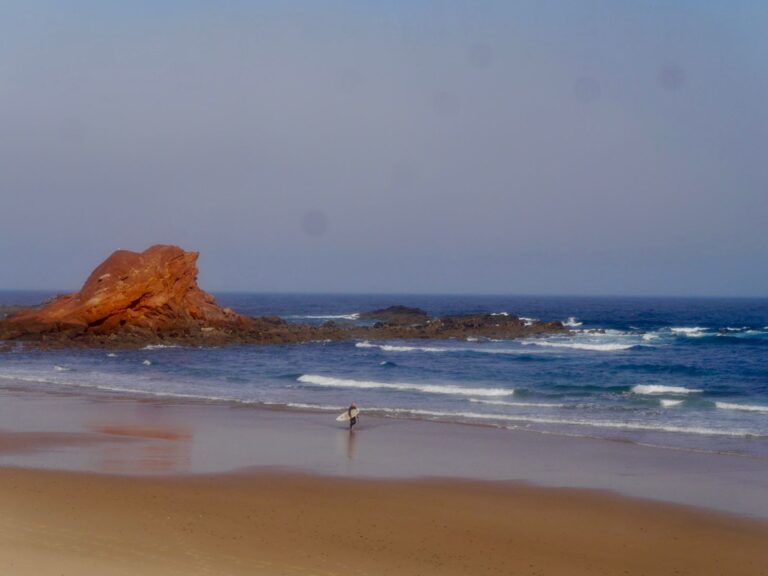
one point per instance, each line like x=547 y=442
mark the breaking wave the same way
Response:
x=523 y=404
x=394 y=348
x=647 y=389
x=593 y=346
x=670 y=403
x=436 y=349
x=353 y=316
x=330 y=382
x=742 y=407
x=694 y=332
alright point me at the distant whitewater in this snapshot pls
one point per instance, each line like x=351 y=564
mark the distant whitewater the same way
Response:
x=688 y=374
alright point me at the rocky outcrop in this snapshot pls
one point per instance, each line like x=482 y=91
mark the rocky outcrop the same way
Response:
x=479 y=326
x=143 y=294
x=397 y=315
x=134 y=299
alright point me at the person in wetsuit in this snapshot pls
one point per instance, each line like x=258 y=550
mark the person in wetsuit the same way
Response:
x=352 y=419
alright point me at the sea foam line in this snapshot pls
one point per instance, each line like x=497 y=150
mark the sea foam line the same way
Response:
x=670 y=403
x=742 y=407
x=606 y=347
x=523 y=404
x=435 y=349
x=330 y=382
x=353 y=316
x=393 y=348
x=569 y=422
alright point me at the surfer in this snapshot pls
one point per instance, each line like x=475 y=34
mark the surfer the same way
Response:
x=352 y=410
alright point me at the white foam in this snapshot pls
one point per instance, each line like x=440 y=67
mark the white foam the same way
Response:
x=572 y=322
x=670 y=403
x=331 y=382
x=624 y=425
x=353 y=316
x=528 y=321
x=693 y=332
x=147 y=363
x=646 y=389
x=98 y=386
x=25 y=378
x=160 y=346
x=443 y=349
x=61 y=368
x=523 y=404
x=111 y=355
x=742 y=407
x=500 y=314
x=324 y=407
x=392 y=348
x=595 y=347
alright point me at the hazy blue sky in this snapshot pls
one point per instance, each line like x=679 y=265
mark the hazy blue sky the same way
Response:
x=560 y=147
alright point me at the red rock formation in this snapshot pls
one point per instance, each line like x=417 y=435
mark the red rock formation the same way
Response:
x=152 y=292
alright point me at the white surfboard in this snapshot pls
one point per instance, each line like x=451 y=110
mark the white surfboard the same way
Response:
x=346 y=415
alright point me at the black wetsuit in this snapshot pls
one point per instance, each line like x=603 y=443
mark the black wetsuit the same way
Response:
x=352 y=419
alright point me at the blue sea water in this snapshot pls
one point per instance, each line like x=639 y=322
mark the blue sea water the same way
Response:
x=673 y=372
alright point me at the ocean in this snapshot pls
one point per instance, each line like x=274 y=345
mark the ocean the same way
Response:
x=680 y=373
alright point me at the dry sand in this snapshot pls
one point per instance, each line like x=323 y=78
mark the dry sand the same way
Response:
x=63 y=523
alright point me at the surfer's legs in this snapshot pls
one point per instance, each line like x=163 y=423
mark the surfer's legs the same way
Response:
x=352 y=422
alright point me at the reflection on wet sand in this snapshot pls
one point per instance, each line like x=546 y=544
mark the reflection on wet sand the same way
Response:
x=351 y=445
x=22 y=442
x=346 y=444
x=144 y=432
x=155 y=449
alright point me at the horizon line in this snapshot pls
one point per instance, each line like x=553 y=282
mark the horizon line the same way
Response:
x=58 y=292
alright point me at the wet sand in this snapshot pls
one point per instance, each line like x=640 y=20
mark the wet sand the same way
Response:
x=110 y=435
x=89 y=524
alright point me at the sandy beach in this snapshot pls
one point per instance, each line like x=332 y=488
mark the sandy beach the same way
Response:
x=86 y=524
x=101 y=486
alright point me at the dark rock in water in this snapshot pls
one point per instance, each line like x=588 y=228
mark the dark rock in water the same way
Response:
x=133 y=299
x=466 y=326
x=396 y=315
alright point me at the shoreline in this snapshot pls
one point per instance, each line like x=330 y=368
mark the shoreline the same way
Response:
x=397 y=414
x=150 y=436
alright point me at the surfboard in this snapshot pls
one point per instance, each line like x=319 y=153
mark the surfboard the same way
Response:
x=345 y=416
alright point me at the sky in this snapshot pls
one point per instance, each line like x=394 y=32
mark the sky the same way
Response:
x=530 y=147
